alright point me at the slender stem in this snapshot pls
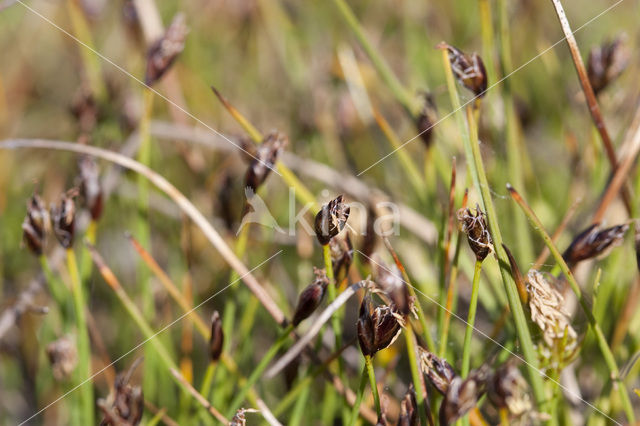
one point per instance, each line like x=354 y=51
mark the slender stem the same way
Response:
x=504 y=416
x=56 y=286
x=257 y=372
x=452 y=295
x=417 y=376
x=205 y=388
x=471 y=319
x=299 y=408
x=198 y=397
x=600 y=337
x=84 y=348
x=359 y=395
x=474 y=160
x=401 y=94
x=372 y=382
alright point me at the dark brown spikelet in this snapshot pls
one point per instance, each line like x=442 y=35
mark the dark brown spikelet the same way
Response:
x=439 y=372
x=311 y=297
x=216 y=341
x=606 y=63
x=468 y=69
x=593 y=242
x=239 y=418
x=164 y=52
x=35 y=224
x=127 y=406
x=409 y=409
x=266 y=155
x=506 y=388
x=462 y=396
x=63 y=357
x=331 y=219
x=63 y=219
x=426 y=120
x=341 y=256
x=389 y=279
x=377 y=328
x=90 y=190
x=475 y=226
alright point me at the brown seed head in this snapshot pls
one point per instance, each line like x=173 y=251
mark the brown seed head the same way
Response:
x=266 y=155
x=377 y=328
x=164 y=52
x=311 y=297
x=438 y=370
x=216 y=341
x=593 y=242
x=331 y=219
x=63 y=357
x=462 y=396
x=341 y=256
x=606 y=62
x=128 y=404
x=409 y=409
x=426 y=120
x=35 y=224
x=90 y=189
x=477 y=230
x=389 y=279
x=468 y=69
x=63 y=219
x=506 y=388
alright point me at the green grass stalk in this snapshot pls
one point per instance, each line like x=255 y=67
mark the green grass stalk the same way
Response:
x=368 y=362
x=609 y=359
x=474 y=161
x=416 y=375
x=359 y=396
x=471 y=319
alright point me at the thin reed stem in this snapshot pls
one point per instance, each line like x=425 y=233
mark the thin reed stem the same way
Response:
x=368 y=362
x=471 y=319
x=84 y=348
x=600 y=337
x=417 y=376
x=359 y=396
x=474 y=161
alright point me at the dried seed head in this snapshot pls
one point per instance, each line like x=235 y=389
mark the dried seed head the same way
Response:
x=438 y=370
x=426 y=120
x=311 y=297
x=462 y=395
x=216 y=340
x=377 y=328
x=593 y=242
x=341 y=256
x=90 y=189
x=547 y=310
x=506 y=388
x=239 y=419
x=606 y=63
x=475 y=226
x=409 y=409
x=63 y=357
x=266 y=155
x=468 y=69
x=63 y=219
x=164 y=52
x=128 y=403
x=331 y=219
x=389 y=279
x=34 y=225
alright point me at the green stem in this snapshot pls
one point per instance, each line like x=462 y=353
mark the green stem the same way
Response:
x=452 y=295
x=401 y=94
x=416 y=375
x=609 y=359
x=372 y=382
x=257 y=372
x=471 y=319
x=474 y=161
x=56 y=286
x=359 y=396
x=205 y=388
x=84 y=348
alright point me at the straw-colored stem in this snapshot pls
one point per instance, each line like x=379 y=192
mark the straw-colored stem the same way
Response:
x=368 y=362
x=600 y=337
x=471 y=319
x=474 y=161
x=84 y=348
x=400 y=93
x=198 y=397
x=504 y=416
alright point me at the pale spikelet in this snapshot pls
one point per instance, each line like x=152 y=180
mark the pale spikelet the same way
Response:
x=548 y=311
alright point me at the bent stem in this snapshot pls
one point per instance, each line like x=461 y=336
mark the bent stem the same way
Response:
x=368 y=362
x=600 y=337
x=474 y=160
x=471 y=319
x=84 y=349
